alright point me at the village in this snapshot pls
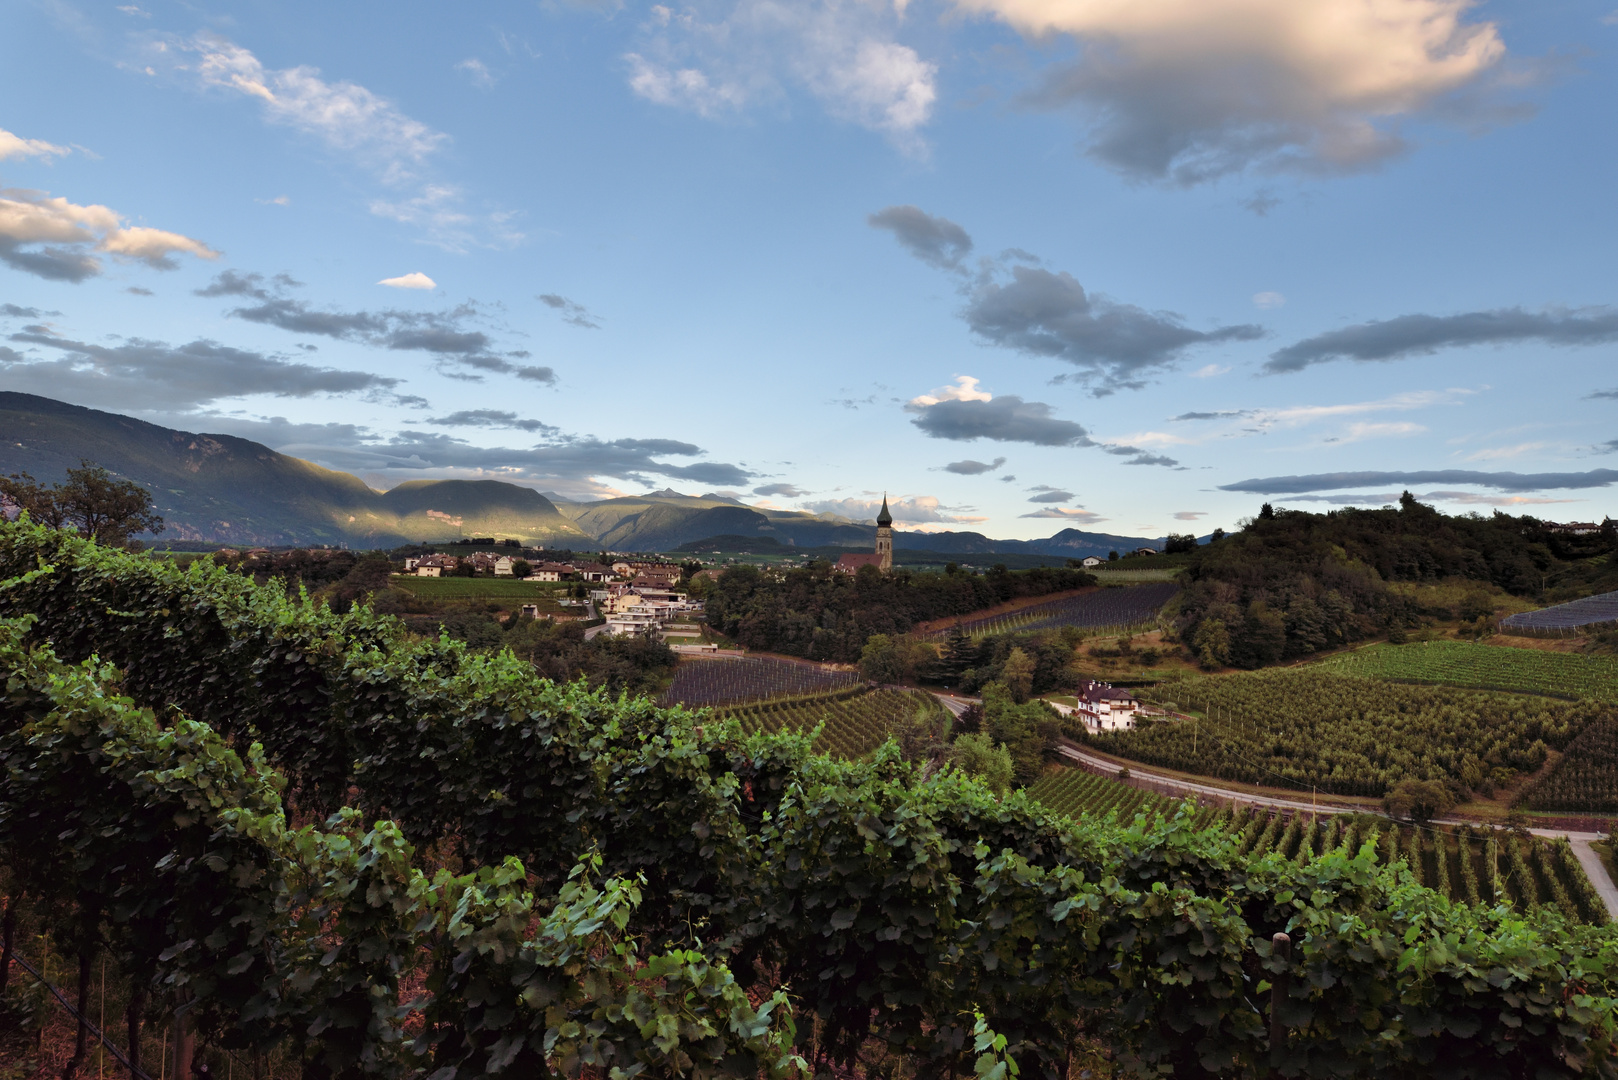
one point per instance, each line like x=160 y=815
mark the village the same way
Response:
x=634 y=597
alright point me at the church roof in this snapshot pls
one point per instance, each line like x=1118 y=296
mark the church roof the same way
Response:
x=884 y=519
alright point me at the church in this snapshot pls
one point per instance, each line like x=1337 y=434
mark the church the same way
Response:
x=882 y=558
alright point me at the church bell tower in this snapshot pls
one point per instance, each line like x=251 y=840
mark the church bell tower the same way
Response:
x=884 y=536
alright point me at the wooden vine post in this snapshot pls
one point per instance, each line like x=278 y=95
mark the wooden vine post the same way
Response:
x=1280 y=983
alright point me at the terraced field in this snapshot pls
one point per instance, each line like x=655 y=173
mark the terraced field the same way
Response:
x=1483 y=667
x=857 y=720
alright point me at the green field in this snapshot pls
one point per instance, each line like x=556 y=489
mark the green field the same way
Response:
x=477 y=588
x=1077 y=794
x=1484 y=667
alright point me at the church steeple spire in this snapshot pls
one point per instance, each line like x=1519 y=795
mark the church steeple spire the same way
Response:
x=884 y=537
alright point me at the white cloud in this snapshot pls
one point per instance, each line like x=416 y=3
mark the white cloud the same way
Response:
x=1208 y=371
x=1501 y=452
x=344 y=115
x=725 y=55
x=1189 y=90
x=279 y=200
x=56 y=239
x=1268 y=300
x=15 y=146
x=1189 y=515
x=413 y=280
x=965 y=389
x=1360 y=431
x=477 y=71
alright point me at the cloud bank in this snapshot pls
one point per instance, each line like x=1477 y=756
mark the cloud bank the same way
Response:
x=445 y=335
x=724 y=57
x=1421 y=335
x=153 y=375
x=1499 y=481
x=1186 y=91
x=974 y=468
x=60 y=241
x=1012 y=303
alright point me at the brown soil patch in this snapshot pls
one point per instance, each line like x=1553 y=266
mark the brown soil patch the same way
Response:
x=1565 y=645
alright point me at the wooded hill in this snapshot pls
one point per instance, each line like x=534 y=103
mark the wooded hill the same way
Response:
x=1292 y=582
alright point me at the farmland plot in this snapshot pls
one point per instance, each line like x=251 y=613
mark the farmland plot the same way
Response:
x=1484 y=667
x=856 y=721
x=721 y=680
x=1590 y=611
x=1122 y=609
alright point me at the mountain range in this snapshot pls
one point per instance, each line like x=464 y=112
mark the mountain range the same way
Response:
x=226 y=490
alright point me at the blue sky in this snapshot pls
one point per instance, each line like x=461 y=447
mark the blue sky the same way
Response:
x=1024 y=264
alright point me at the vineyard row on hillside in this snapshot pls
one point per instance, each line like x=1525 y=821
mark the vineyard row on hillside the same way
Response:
x=854 y=722
x=1468 y=865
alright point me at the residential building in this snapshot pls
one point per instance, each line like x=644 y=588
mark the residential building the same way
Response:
x=1090 y=561
x=1103 y=707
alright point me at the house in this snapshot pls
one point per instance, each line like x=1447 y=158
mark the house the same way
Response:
x=551 y=571
x=596 y=573
x=1103 y=707
x=1573 y=528
x=423 y=570
x=1144 y=551
x=882 y=557
x=502 y=566
x=1090 y=561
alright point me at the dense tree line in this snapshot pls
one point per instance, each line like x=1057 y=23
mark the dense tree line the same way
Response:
x=816 y=612
x=1292 y=582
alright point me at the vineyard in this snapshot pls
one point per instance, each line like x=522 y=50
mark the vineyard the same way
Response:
x=856 y=721
x=1474 y=866
x=306 y=844
x=1127 y=608
x=1585 y=780
x=1564 y=618
x=1484 y=667
x=1307 y=729
x=702 y=681
x=1078 y=794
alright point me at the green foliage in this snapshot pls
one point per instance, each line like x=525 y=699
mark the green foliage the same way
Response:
x=1292 y=583
x=1417 y=800
x=1485 y=667
x=1028 y=731
x=888 y=658
x=977 y=755
x=91 y=501
x=1305 y=728
x=900 y=904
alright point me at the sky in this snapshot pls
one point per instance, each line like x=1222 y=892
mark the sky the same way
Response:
x=1129 y=266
